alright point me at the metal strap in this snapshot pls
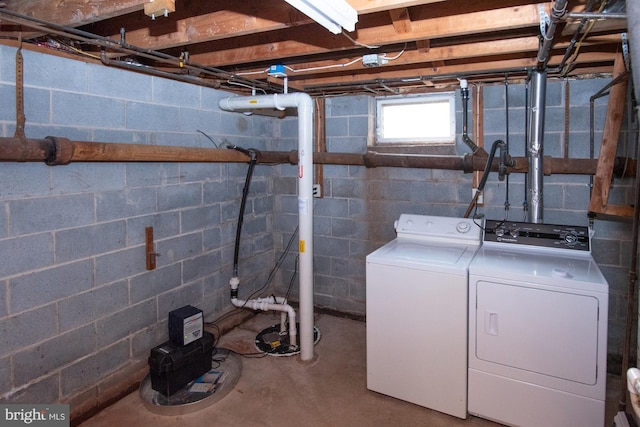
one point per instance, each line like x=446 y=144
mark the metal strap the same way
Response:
x=545 y=21
x=625 y=51
x=20 y=116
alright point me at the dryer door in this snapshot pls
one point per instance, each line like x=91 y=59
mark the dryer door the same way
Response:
x=541 y=331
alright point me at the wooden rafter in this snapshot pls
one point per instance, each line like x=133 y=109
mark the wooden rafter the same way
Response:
x=599 y=203
x=308 y=44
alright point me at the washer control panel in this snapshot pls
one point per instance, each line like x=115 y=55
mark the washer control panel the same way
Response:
x=544 y=235
x=437 y=227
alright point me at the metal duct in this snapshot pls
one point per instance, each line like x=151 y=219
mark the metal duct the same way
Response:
x=535 y=152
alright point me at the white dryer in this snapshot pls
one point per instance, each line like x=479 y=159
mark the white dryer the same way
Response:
x=537 y=327
x=417 y=312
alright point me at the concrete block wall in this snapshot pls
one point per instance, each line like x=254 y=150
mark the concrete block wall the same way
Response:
x=79 y=312
x=359 y=206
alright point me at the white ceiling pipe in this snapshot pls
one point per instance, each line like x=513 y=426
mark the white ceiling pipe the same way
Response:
x=304 y=104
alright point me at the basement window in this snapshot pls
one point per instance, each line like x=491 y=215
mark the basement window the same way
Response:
x=416 y=120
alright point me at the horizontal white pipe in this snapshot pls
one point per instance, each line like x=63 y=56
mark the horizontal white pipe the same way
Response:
x=304 y=104
x=272 y=304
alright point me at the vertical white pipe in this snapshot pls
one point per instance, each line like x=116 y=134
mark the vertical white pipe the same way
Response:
x=305 y=220
x=304 y=104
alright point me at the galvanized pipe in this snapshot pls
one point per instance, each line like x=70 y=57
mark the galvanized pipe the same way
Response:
x=535 y=145
x=61 y=151
x=557 y=11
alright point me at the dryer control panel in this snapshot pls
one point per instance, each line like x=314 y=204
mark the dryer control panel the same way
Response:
x=544 y=235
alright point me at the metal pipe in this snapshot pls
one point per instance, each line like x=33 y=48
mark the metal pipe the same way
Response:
x=123 y=47
x=535 y=145
x=464 y=91
x=557 y=11
x=594 y=15
x=61 y=151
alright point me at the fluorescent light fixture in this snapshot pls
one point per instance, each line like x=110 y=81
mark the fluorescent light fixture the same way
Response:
x=334 y=15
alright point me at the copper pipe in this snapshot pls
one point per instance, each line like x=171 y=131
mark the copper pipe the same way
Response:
x=61 y=151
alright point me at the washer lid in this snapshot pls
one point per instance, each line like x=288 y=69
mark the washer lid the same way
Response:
x=424 y=255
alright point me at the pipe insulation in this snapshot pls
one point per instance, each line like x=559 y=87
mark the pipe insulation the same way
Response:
x=535 y=152
x=304 y=104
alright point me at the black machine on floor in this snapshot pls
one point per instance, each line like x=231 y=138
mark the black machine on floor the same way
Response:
x=183 y=358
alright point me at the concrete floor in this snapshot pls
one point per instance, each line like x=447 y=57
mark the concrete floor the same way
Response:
x=283 y=391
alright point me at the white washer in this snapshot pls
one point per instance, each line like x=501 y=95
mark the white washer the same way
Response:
x=417 y=312
x=537 y=327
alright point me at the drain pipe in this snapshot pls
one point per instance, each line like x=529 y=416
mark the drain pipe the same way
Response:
x=535 y=150
x=265 y=304
x=304 y=104
x=464 y=92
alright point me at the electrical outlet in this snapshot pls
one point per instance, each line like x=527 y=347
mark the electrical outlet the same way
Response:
x=317 y=190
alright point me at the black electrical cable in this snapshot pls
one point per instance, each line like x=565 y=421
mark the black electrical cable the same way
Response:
x=277 y=265
x=293 y=277
x=267 y=281
x=485 y=175
x=245 y=191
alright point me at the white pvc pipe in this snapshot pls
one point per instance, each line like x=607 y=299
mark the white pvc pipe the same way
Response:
x=304 y=104
x=273 y=304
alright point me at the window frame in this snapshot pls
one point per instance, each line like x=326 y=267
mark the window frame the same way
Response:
x=381 y=102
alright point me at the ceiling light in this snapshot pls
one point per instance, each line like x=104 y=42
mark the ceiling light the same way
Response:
x=334 y=15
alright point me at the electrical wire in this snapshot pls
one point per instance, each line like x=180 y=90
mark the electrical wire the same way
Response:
x=276 y=267
x=357 y=43
x=571 y=61
x=384 y=55
x=231 y=82
x=208 y=137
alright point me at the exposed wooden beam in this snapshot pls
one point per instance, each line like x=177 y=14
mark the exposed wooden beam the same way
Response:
x=222 y=19
x=497 y=64
x=599 y=202
x=401 y=20
x=371 y=6
x=74 y=13
x=308 y=43
x=436 y=54
x=423 y=45
x=199 y=23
